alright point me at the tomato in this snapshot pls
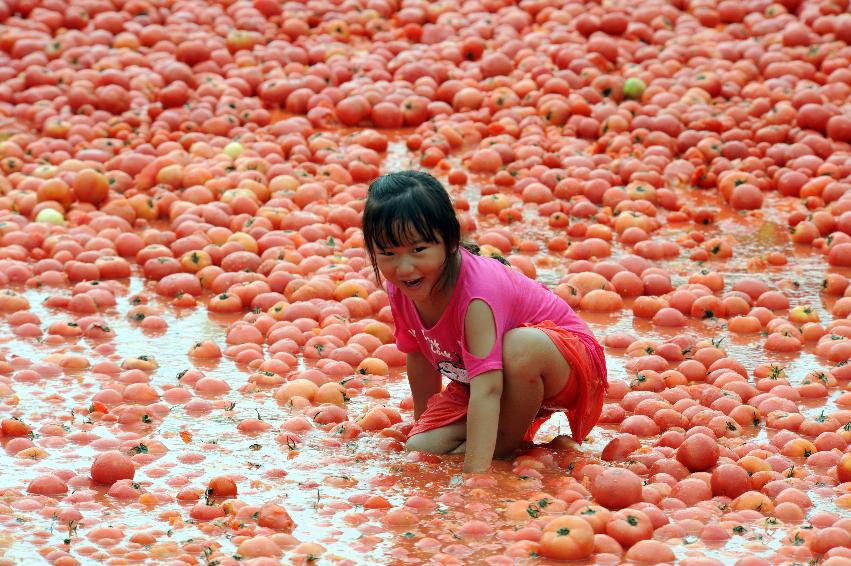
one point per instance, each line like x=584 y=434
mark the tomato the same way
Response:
x=111 y=466
x=843 y=468
x=14 y=427
x=352 y=110
x=275 y=516
x=222 y=486
x=629 y=526
x=651 y=551
x=698 y=452
x=596 y=516
x=567 y=538
x=90 y=186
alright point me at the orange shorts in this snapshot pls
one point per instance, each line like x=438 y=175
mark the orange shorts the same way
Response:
x=581 y=399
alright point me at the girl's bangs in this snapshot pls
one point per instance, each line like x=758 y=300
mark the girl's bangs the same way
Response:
x=396 y=226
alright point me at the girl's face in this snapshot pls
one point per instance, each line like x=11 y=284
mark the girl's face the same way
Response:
x=415 y=267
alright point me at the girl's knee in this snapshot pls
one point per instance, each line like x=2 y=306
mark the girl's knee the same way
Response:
x=418 y=443
x=518 y=347
x=460 y=449
x=526 y=354
x=531 y=359
x=437 y=441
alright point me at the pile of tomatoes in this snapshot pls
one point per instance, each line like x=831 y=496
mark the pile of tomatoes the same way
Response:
x=198 y=366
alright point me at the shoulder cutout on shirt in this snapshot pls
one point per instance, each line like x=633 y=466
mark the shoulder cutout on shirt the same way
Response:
x=479 y=328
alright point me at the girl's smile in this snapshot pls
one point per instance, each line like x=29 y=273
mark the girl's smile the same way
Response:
x=413 y=283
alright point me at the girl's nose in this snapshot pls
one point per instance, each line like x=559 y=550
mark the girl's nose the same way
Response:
x=405 y=266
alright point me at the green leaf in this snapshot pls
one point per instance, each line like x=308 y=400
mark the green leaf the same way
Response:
x=140 y=448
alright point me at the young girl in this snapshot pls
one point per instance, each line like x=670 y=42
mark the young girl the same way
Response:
x=512 y=350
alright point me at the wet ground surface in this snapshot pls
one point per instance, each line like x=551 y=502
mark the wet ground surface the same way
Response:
x=317 y=483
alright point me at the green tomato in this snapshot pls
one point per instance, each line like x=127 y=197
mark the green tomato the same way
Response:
x=234 y=150
x=633 y=88
x=50 y=216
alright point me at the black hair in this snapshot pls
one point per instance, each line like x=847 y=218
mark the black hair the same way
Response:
x=404 y=206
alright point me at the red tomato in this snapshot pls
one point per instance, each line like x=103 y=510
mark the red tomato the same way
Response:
x=567 y=538
x=629 y=526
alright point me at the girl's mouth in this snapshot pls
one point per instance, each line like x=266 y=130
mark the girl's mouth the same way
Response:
x=413 y=283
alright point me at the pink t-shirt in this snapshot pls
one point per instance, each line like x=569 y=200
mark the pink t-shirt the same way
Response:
x=514 y=299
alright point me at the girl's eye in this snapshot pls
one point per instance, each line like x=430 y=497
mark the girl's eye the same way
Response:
x=385 y=253
x=419 y=249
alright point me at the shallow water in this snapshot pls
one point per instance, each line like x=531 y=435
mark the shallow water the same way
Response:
x=264 y=473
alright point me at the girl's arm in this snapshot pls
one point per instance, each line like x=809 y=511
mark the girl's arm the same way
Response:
x=485 y=390
x=482 y=420
x=424 y=380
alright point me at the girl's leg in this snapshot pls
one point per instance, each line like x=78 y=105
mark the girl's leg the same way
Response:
x=444 y=440
x=460 y=449
x=533 y=370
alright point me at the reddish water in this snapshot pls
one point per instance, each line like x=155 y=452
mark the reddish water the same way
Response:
x=200 y=447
